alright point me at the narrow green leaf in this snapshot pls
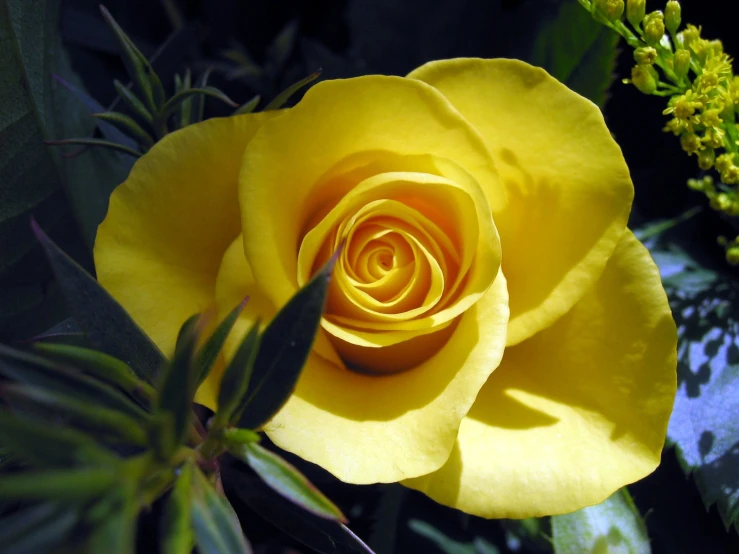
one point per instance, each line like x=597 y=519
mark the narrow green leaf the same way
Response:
x=100 y=366
x=128 y=126
x=47 y=445
x=282 y=46
x=284 y=348
x=614 y=525
x=64 y=485
x=94 y=142
x=249 y=106
x=286 y=480
x=237 y=375
x=240 y=436
x=216 y=526
x=109 y=423
x=38 y=528
x=199 y=101
x=173 y=103
x=104 y=321
x=41 y=372
x=447 y=545
x=186 y=108
x=177 y=389
x=114 y=529
x=282 y=98
x=176 y=534
x=213 y=346
x=138 y=67
x=132 y=101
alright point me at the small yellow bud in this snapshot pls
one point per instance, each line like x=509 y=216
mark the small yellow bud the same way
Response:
x=732 y=255
x=643 y=79
x=654 y=27
x=672 y=16
x=730 y=176
x=690 y=143
x=690 y=35
x=635 y=10
x=722 y=201
x=612 y=10
x=695 y=184
x=716 y=47
x=645 y=55
x=706 y=158
x=724 y=162
x=682 y=63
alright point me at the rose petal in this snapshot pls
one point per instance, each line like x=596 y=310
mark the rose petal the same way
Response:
x=159 y=249
x=568 y=186
x=575 y=412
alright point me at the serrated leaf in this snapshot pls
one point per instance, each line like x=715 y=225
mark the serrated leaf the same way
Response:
x=104 y=321
x=37 y=528
x=69 y=485
x=320 y=534
x=576 y=50
x=703 y=428
x=448 y=545
x=212 y=348
x=216 y=526
x=281 y=99
x=286 y=480
x=236 y=376
x=45 y=445
x=284 y=348
x=614 y=525
x=176 y=534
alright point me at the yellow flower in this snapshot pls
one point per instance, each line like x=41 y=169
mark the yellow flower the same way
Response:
x=465 y=192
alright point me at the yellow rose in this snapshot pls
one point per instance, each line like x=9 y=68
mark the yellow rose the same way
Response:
x=468 y=191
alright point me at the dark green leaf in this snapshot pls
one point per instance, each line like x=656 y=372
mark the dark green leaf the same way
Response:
x=615 y=525
x=104 y=321
x=102 y=366
x=127 y=125
x=176 y=534
x=67 y=329
x=177 y=389
x=47 y=445
x=41 y=372
x=132 y=102
x=320 y=534
x=68 y=485
x=114 y=529
x=213 y=346
x=37 y=529
x=174 y=102
x=186 y=108
x=286 y=480
x=240 y=436
x=282 y=46
x=94 y=142
x=704 y=428
x=450 y=546
x=284 y=348
x=280 y=100
x=216 y=526
x=199 y=101
x=576 y=50
x=138 y=67
x=107 y=423
x=386 y=518
x=249 y=106
x=237 y=375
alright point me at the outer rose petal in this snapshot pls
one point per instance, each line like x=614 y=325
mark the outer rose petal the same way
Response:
x=568 y=186
x=159 y=249
x=370 y=429
x=575 y=412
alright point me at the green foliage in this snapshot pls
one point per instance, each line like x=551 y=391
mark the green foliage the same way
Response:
x=448 y=545
x=614 y=525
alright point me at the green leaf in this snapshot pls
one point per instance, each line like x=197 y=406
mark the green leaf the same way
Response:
x=174 y=102
x=284 y=348
x=281 y=99
x=132 y=102
x=448 y=545
x=94 y=142
x=128 y=126
x=176 y=534
x=38 y=528
x=704 y=428
x=177 y=389
x=138 y=67
x=109 y=424
x=104 y=321
x=47 y=445
x=113 y=530
x=216 y=526
x=212 y=348
x=286 y=480
x=576 y=50
x=99 y=365
x=236 y=376
x=249 y=106
x=69 y=485
x=615 y=525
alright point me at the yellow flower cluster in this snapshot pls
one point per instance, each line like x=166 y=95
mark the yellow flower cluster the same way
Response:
x=697 y=76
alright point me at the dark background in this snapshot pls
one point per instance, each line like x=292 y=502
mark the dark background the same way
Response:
x=352 y=37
